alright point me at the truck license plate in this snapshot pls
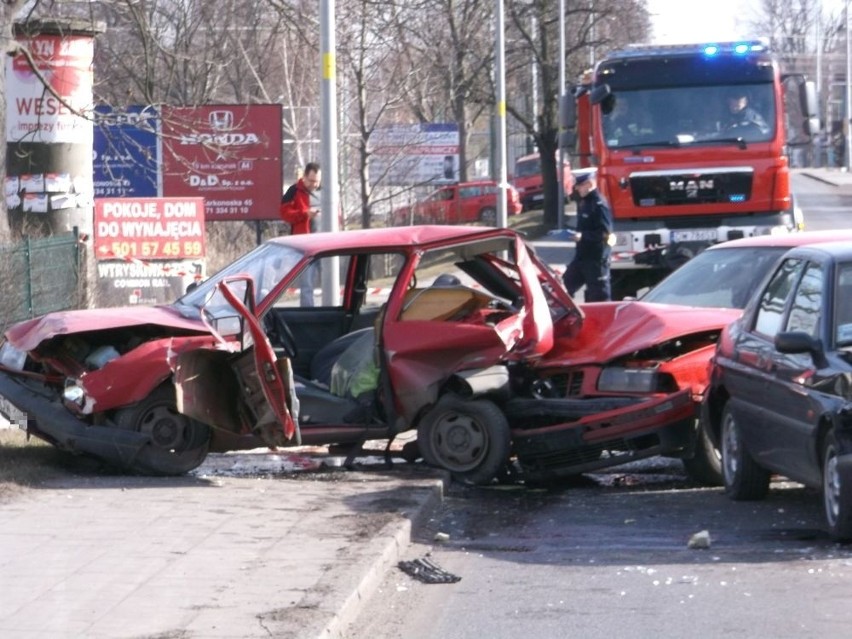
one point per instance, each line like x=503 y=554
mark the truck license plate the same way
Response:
x=694 y=235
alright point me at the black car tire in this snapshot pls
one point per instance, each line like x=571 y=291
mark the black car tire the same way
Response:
x=744 y=479
x=705 y=466
x=468 y=437
x=178 y=443
x=488 y=216
x=836 y=485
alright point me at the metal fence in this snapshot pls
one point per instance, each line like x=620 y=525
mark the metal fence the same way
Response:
x=38 y=276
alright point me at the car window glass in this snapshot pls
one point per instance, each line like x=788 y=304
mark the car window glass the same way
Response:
x=718 y=278
x=807 y=302
x=843 y=302
x=527 y=167
x=265 y=264
x=773 y=300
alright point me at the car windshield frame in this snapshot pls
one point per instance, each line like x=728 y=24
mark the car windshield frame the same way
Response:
x=724 y=277
x=267 y=264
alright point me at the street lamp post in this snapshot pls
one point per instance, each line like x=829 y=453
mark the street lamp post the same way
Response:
x=848 y=110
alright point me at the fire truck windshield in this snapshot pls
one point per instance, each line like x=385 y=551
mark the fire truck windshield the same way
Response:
x=675 y=116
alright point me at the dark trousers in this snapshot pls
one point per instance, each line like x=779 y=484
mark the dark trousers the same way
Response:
x=593 y=271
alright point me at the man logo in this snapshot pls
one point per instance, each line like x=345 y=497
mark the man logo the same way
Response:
x=691 y=187
x=221 y=120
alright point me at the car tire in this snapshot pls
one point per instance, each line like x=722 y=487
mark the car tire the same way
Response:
x=468 y=437
x=705 y=466
x=836 y=485
x=178 y=443
x=488 y=216
x=744 y=479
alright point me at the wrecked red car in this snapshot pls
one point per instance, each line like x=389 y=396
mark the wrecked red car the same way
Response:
x=460 y=333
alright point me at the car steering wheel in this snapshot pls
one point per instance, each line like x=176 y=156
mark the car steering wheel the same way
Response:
x=280 y=334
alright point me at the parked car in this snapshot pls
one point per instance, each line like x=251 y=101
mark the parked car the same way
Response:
x=527 y=179
x=779 y=398
x=460 y=203
x=492 y=364
x=725 y=276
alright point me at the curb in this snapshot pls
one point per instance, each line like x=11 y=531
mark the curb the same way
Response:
x=819 y=178
x=388 y=548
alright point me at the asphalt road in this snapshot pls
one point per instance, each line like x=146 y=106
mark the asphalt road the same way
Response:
x=608 y=556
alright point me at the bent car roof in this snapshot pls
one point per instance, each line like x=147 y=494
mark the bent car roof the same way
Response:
x=418 y=235
x=788 y=239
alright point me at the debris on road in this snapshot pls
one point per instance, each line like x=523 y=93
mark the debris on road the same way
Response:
x=699 y=540
x=426 y=571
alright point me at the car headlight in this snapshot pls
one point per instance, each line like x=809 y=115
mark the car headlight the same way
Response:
x=628 y=380
x=11 y=357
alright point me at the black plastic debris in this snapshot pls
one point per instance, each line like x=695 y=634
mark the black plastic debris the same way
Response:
x=426 y=571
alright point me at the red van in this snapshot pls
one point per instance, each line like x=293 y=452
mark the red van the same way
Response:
x=529 y=183
x=460 y=203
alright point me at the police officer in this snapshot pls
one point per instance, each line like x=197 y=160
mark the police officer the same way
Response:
x=591 y=262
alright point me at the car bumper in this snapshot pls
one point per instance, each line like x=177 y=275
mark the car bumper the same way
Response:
x=621 y=432
x=48 y=419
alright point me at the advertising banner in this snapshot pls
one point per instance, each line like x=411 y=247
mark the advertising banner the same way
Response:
x=415 y=154
x=228 y=154
x=37 y=114
x=149 y=228
x=125 y=152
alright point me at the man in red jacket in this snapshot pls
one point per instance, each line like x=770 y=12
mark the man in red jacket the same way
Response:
x=296 y=207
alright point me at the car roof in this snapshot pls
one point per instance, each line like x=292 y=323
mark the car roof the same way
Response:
x=789 y=239
x=417 y=235
x=839 y=250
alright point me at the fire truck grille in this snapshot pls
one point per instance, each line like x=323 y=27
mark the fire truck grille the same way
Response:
x=727 y=187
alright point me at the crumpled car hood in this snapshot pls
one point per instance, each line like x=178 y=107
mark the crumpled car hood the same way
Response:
x=613 y=329
x=28 y=334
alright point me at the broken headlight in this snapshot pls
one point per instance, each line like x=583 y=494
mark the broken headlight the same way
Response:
x=11 y=357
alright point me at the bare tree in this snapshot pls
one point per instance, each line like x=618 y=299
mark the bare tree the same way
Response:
x=592 y=28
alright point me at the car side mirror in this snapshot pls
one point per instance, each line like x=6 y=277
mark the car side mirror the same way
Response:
x=795 y=342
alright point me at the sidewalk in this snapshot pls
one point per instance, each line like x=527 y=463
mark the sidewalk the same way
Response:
x=832 y=176
x=110 y=557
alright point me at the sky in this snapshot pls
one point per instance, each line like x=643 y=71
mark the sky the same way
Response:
x=678 y=21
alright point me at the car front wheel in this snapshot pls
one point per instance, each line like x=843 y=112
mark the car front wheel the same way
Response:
x=744 y=479
x=836 y=496
x=469 y=438
x=178 y=444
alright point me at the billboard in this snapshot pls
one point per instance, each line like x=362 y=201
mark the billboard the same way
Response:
x=149 y=228
x=415 y=154
x=125 y=152
x=230 y=155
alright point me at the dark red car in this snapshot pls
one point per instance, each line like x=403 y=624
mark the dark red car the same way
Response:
x=461 y=203
x=460 y=333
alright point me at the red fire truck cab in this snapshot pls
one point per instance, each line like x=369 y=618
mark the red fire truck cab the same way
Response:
x=690 y=143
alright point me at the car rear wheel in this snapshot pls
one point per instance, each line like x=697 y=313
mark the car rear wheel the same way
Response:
x=469 y=438
x=488 y=216
x=836 y=496
x=705 y=466
x=744 y=479
x=178 y=443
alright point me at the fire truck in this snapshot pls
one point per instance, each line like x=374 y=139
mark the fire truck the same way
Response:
x=690 y=143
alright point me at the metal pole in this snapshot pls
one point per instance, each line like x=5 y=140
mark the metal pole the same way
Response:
x=560 y=183
x=848 y=110
x=329 y=201
x=500 y=156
